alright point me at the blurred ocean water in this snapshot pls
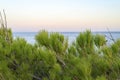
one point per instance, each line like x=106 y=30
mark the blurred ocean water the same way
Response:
x=30 y=36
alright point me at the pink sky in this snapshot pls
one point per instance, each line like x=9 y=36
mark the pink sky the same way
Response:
x=62 y=15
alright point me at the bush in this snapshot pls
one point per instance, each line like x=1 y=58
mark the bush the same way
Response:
x=51 y=58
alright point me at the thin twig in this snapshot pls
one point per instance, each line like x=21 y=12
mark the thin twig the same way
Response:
x=35 y=77
x=1 y=77
x=2 y=22
x=5 y=26
x=5 y=19
x=111 y=35
x=108 y=37
x=0 y=18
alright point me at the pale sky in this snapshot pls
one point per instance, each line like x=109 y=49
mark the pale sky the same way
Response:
x=62 y=15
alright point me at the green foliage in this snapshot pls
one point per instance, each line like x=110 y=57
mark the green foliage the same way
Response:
x=115 y=47
x=20 y=59
x=84 y=43
x=99 y=40
x=43 y=39
x=58 y=43
x=52 y=41
x=101 y=78
x=50 y=58
x=5 y=45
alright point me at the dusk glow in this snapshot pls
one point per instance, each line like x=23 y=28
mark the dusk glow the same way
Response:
x=62 y=15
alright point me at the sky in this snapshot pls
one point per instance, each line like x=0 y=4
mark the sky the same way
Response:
x=62 y=15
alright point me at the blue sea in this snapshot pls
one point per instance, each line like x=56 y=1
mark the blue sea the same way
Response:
x=30 y=36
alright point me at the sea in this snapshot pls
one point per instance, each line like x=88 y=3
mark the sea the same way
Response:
x=30 y=36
